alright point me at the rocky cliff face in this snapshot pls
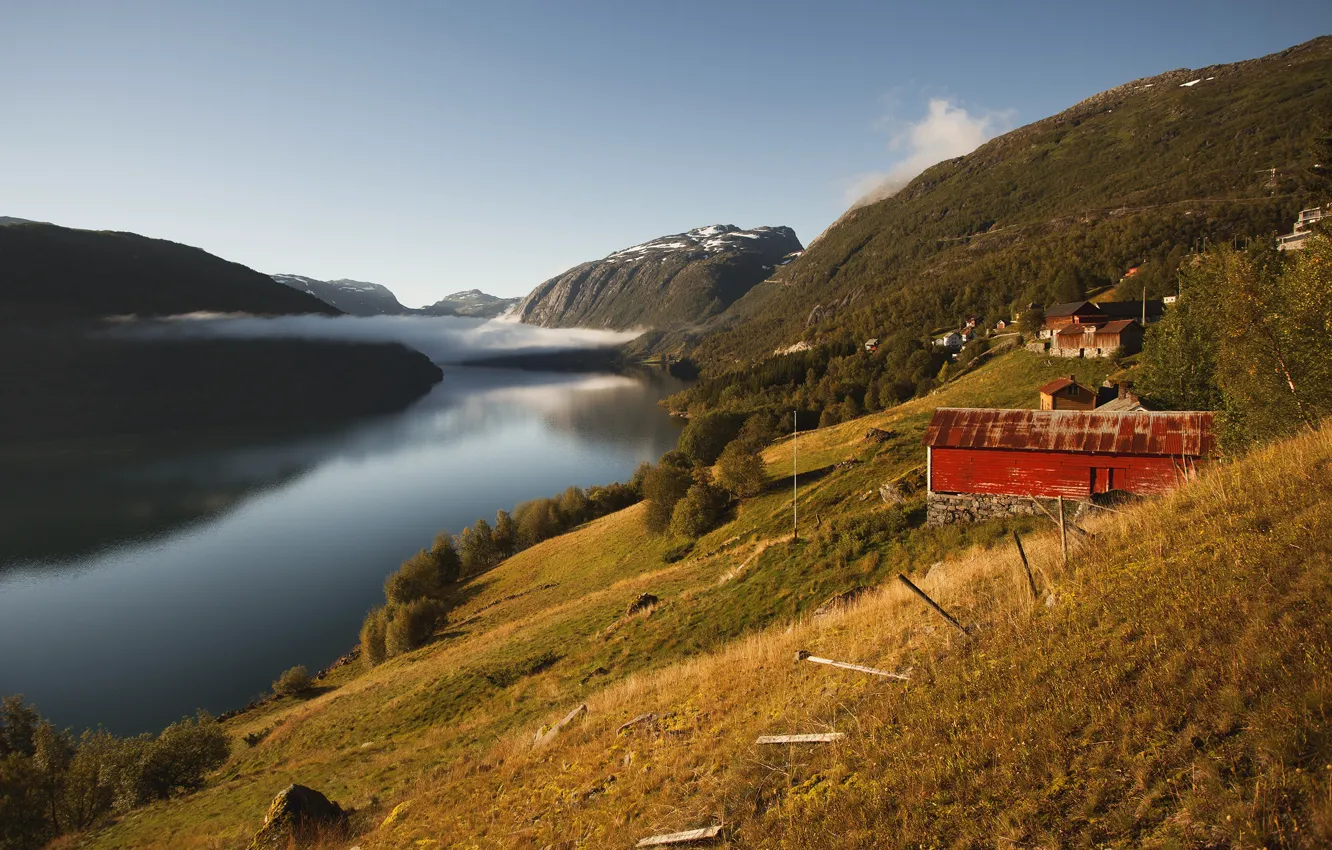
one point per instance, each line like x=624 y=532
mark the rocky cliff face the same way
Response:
x=355 y=297
x=670 y=282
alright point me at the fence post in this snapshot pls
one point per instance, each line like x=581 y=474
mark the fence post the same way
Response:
x=1063 y=531
x=1031 y=581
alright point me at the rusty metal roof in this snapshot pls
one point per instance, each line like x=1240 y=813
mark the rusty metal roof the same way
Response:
x=1173 y=433
x=1059 y=311
x=1115 y=327
x=1056 y=385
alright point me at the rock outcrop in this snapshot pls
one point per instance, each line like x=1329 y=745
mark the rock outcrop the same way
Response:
x=299 y=817
x=670 y=282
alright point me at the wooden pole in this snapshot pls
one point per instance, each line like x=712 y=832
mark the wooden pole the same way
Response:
x=935 y=605
x=1063 y=530
x=1031 y=582
x=795 y=490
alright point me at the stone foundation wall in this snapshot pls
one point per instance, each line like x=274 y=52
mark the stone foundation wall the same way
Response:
x=951 y=508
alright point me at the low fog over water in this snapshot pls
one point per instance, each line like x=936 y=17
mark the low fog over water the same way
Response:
x=444 y=339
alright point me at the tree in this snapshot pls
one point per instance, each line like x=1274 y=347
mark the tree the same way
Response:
x=740 y=469
x=699 y=511
x=182 y=755
x=703 y=439
x=18 y=724
x=373 y=630
x=88 y=787
x=419 y=577
x=22 y=822
x=1178 y=363
x=505 y=534
x=759 y=429
x=573 y=507
x=476 y=549
x=52 y=752
x=663 y=486
x=411 y=626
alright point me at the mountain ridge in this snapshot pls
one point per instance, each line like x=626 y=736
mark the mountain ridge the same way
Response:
x=668 y=282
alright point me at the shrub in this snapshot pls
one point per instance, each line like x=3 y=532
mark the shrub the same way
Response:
x=759 y=430
x=419 y=577
x=295 y=680
x=181 y=756
x=699 y=511
x=411 y=626
x=372 y=637
x=740 y=469
x=663 y=486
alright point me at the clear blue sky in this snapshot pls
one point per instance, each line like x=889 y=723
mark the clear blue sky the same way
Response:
x=438 y=146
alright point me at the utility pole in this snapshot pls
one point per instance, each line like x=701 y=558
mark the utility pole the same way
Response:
x=795 y=515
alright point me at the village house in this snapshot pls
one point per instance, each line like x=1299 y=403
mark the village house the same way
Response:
x=951 y=341
x=1300 y=233
x=1067 y=394
x=983 y=463
x=1122 y=336
x=872 y=345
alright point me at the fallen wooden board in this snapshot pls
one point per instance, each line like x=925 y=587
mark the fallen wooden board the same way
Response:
x=542 y=739
x=811 y=738
x=685 y=837
x=805 y=656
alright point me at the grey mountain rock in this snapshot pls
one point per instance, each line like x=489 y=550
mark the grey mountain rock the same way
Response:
x=670 y=282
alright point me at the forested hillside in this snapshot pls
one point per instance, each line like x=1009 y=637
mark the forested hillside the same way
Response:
x=1135 y=176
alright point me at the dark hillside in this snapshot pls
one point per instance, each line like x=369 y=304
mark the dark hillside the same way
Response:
x=49 y=272
x=1133 y=176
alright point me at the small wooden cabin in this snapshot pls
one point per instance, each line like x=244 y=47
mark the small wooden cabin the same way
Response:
x=1069 y=453
x=1067 y=394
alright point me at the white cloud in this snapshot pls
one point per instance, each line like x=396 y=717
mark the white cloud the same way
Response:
x=945 y=132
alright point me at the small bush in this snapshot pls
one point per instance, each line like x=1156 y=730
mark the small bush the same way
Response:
x=293 y=681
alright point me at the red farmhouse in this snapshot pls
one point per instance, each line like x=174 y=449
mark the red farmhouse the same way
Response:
x=984 y=462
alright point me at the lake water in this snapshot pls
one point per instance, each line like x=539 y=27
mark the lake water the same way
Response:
x=141 y=583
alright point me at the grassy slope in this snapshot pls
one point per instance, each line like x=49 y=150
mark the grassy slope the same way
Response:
x=546 y=629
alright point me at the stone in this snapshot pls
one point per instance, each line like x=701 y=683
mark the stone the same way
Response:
x=299 y=817
x=878 y=435
x=839 y=601
x=642 y=603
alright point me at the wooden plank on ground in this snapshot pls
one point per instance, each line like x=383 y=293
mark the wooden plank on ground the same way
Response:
x=805 y=656
x=545 y=738
x=811 y=738
x=687 y=837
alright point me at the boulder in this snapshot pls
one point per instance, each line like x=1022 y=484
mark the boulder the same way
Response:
x=642 y=603
x=877 y=435
x=839 y=601
x=299 y=817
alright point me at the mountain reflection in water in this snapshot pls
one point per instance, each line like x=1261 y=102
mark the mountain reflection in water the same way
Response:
x=140 y=582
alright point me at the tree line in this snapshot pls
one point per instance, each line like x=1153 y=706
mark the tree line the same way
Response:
x=52 y=782
x=1250 y=337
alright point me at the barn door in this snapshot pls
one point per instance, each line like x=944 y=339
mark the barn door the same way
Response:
x=1107 y=478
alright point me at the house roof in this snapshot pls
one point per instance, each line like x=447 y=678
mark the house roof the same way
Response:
x=1127 y=404
x=1173 y=433
x=1075 y=330
x=1056 y=385
x=1115 y=327
x=1070 y=309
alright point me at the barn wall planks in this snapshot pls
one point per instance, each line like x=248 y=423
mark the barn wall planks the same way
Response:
x=1049 y=474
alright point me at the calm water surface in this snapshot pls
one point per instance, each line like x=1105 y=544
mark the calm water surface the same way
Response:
x=139 y=584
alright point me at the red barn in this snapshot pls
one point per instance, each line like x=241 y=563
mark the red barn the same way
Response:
x=984 y=462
